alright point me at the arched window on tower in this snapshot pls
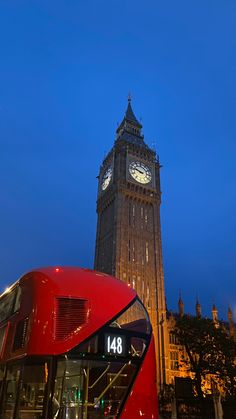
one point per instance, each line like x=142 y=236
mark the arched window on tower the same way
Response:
x=133 y=214
x=142 y=289
x=133 y=253
x=146 y=216
x=146 y=252
x=142 y=253
x=148 y=296
x=141 y=217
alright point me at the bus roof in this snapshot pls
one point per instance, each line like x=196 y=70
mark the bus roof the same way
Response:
x=52 y=290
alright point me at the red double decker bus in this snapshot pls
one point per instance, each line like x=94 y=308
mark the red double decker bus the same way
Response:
x=75 y=344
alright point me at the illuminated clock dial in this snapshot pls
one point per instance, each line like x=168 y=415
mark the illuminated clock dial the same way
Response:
x=106 y=178
x=140 y=172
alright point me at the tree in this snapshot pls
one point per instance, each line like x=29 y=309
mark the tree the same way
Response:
x=210 y=350
x=228 y=374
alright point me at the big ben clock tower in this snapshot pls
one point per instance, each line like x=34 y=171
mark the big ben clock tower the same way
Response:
x=128 y=242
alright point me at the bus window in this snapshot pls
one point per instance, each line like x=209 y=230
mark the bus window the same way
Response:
x=127 y=335
x=10 y=391
x=89 y=389
x=10 y=303
x=17 y=299
x=135 y=318
x=2 y=338
x=6 y=306
x=32 y=389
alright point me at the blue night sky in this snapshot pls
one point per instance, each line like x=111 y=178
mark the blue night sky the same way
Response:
x=66 y=69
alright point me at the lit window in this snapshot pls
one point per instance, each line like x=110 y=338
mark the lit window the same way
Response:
x=174 y=360
x=129 y=213
x=148 y=297
x=142 y=253
x=173 y=339
x=133 y=253
x=146 y=216
x=146 y=251
x=133 y=211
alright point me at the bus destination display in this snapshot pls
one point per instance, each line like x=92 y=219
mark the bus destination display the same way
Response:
x=115 y=344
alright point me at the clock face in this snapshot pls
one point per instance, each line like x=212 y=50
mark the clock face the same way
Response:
x=106 y=178
x=140 y=172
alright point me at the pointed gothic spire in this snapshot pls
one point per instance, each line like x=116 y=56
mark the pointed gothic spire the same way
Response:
x=230 y=314
x=198 y=309
x=214 y=312
x=231 y=322
x=130 y=124
x=129 y=114
x=181 y=305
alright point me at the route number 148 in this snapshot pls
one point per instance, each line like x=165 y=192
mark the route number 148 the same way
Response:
x=115 y=345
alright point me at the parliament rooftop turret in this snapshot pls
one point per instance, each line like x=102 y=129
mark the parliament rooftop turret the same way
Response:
x=181 y=306
x=198 y=309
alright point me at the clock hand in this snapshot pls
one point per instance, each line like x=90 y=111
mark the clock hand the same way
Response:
x=139 y=171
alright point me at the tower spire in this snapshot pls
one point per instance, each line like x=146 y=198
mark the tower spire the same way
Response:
x=214 y=312
x=198 y=308
x=230 y=314
x=181 y=305
x=129 y=114
x=130 y=128
x=231 y=321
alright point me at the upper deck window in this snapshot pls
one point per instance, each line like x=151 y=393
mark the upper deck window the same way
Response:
x=10 y=304
x=135 y=318
x=126 y=336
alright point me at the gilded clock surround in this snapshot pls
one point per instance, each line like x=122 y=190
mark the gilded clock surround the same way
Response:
x=140 y=172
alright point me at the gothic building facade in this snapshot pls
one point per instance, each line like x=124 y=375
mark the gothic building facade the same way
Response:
x=128 y=241
x=176 y=352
